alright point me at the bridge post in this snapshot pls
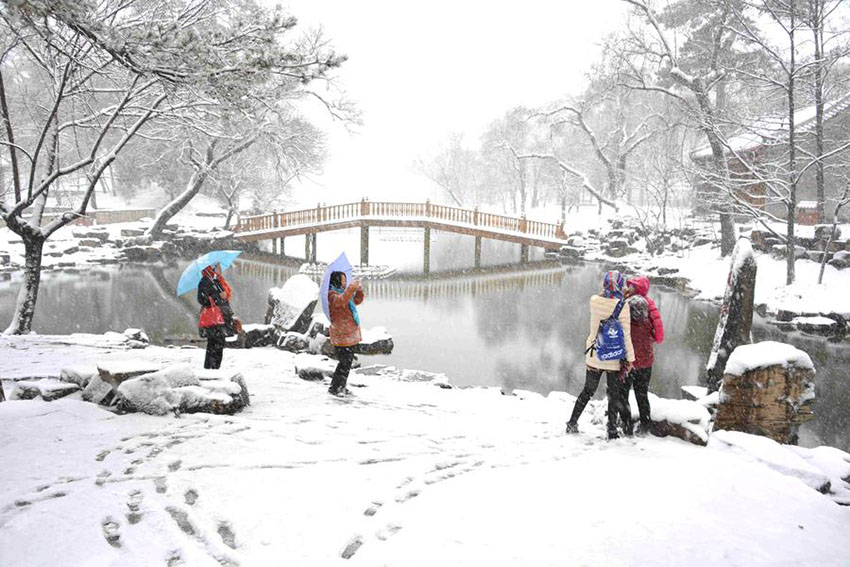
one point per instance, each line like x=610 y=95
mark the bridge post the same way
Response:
x=274 y=245
x=364 y=244
x=426 y=262
x=282 y=253
x=310 y=247
x=523 y=253
x=477 y=251
x=314 y=237
x=475 y=215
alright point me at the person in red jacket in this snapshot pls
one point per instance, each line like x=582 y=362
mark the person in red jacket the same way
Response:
x=647 y=330
x=345 y=327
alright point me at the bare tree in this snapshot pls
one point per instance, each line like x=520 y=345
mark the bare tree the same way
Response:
x=455 y=169
x=692 y=85
x=108 y=71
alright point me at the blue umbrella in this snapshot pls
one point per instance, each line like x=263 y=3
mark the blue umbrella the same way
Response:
x=192 y=274
x=339 y=265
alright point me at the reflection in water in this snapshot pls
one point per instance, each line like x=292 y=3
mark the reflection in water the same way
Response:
x=517 y=328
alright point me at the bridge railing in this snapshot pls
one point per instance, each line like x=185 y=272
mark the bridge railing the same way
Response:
x=427 y=210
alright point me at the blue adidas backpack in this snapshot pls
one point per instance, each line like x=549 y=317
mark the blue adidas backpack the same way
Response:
x=610 y=341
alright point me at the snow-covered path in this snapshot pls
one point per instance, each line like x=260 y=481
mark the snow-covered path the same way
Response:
x=401 y=474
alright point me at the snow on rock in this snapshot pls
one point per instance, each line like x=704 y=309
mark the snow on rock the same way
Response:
x=817 y=325
x=150 y=393
x=48 y=389
x=180 y=388
x=291 y=306
x=98 y=391
x=116 y=371
x=767 y=353
x=772 y=454
x=79 y=375
x=685 y=419
x=694 y=393
x=402 y=375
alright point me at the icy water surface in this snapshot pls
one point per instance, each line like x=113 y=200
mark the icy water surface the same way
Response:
x=502 y=325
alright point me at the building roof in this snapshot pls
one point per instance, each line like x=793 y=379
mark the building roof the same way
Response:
x=772 y=128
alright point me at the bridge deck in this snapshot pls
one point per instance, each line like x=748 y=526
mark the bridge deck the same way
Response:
x=405 y=215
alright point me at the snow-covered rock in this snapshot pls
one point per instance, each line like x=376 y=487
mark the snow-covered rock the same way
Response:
x=78 y=375
x=816 y=325
x=116 y=371
x=48 y=389
x=767 y=353
x=182 y=389
x=685 y=419
x=291 y=306
x=258 y=335
x=293 y=342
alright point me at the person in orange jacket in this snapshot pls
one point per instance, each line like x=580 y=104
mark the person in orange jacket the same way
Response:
x=345 y=327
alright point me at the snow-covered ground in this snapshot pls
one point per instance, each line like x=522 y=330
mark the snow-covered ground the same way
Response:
x=400 y=474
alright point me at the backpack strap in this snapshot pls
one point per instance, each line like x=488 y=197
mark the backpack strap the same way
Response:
x=616 y=313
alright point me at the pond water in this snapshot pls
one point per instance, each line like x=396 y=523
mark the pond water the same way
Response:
x=509 y=326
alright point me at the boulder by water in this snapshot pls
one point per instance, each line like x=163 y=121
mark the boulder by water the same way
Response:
x=291 y=306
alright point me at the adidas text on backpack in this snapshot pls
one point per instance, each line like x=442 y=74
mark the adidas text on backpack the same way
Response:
x=610 y=341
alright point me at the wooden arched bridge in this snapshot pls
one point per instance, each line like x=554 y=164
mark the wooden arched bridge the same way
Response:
x=278 y=225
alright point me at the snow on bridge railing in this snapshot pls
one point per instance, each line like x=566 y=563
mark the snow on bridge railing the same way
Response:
x=427 y=210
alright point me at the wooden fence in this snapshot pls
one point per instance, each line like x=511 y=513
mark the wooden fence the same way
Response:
x=99 y=216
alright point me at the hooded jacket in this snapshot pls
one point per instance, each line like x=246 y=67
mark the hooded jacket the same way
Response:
x=646 y=325
x=344 y=329
x=601 y=308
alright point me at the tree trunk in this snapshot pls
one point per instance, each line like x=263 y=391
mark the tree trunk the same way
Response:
x=817 y=31
x=791 y=244
x=734 y=327
x=176 y=205
x=25 y=308
x=727 y=234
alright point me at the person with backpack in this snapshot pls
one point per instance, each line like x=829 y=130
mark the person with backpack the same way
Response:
x=345 y=327
x=609 y=351
x=646 y=329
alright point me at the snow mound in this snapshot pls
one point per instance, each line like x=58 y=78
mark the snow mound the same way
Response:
x=776 y=456
x=689 y=415
x=150 y=394
x=767 y=353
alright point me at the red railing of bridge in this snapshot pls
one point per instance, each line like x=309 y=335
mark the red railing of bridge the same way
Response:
x=375 y=209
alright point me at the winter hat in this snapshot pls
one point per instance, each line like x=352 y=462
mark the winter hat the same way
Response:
x=638 y=308
x=614 y=284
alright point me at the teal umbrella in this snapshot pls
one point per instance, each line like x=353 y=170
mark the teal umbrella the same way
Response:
x=193 y=273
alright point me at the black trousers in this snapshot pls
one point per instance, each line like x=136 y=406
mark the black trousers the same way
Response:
x=215 y=348
x=345 y=355
x=639 y=380
x=618 y=402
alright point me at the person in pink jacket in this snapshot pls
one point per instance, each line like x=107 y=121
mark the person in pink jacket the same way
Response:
x=647 y=330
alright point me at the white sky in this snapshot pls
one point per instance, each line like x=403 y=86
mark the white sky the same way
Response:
x=420 y=71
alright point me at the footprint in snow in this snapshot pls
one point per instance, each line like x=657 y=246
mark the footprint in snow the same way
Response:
x=111 y=531
x=225 y=531
x=352 y=547
x=173 y=466
x=160 y=484
x=191 y=496
x=134 y=503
